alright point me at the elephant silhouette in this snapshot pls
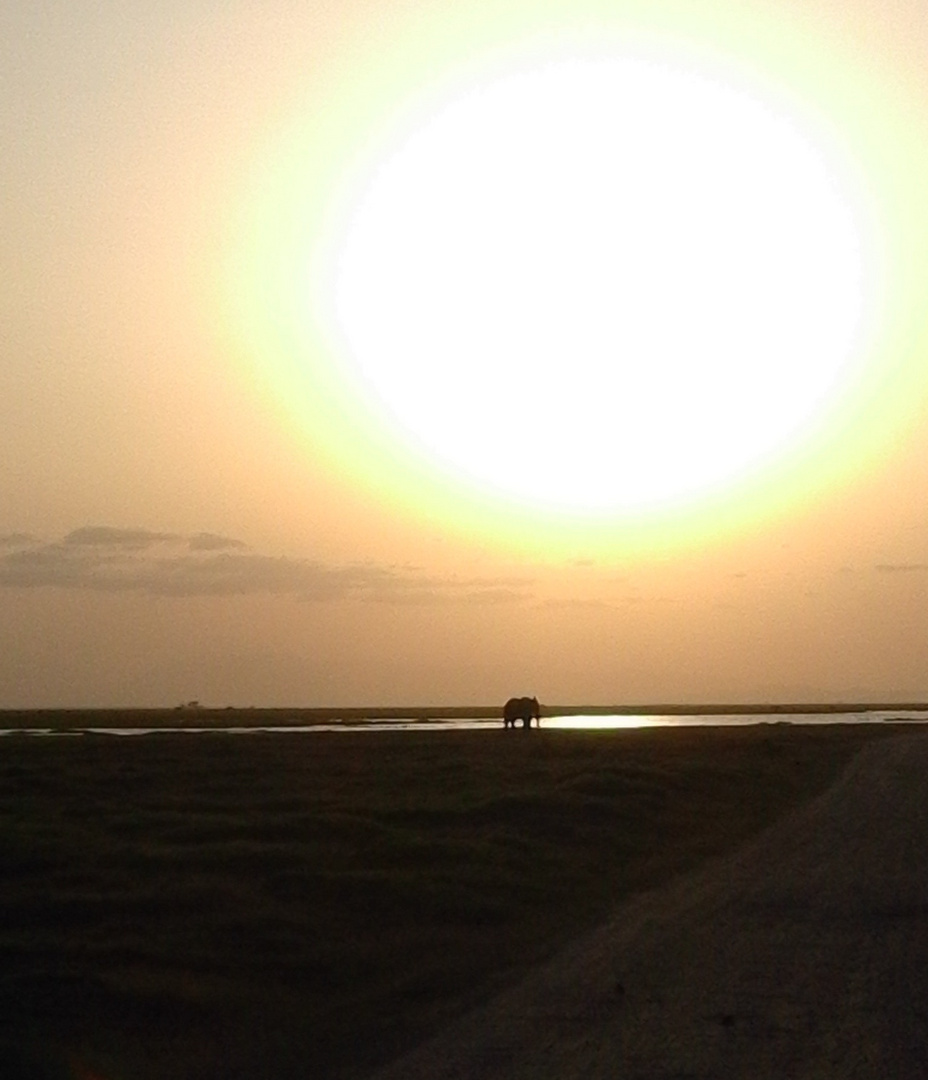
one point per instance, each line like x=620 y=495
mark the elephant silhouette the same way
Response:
x=525 y=709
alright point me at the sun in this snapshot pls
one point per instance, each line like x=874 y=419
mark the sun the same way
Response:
x=601 y=284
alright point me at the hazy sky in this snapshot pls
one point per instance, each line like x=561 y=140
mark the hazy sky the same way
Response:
x=406 y=352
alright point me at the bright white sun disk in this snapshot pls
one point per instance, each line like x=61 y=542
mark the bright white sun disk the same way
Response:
x=601 y=284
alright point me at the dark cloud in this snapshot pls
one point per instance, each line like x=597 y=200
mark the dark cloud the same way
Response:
x=164 y=564
x=16 y=540
x=403 y=587
x=901 y=568
x=238 y=574
x=49 y=564
x=212 y=542
x=105 y=536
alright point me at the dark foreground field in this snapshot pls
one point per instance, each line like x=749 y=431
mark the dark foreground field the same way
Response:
x=219 y=907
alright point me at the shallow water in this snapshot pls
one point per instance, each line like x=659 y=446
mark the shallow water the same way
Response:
x=568 y=723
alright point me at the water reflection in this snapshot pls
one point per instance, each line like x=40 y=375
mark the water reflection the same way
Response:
x=579 y=722
x=593 y=722
x=597 y=723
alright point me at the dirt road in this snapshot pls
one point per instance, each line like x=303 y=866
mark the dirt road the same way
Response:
x=803 y=955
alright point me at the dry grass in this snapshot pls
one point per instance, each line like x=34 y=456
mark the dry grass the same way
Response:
x=222 y=906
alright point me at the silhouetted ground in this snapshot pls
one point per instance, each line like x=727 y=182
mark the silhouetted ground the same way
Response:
x=223 y=906
x=803 y=955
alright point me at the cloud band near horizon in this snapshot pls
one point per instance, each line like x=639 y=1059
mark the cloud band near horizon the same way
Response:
x=107 y=559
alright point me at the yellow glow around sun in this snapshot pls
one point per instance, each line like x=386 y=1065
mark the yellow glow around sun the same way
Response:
x=601 y=284
x=618 y=281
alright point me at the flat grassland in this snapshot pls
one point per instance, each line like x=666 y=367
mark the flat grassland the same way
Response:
x=224 y=906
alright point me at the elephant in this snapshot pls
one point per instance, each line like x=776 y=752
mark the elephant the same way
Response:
x=522 y=708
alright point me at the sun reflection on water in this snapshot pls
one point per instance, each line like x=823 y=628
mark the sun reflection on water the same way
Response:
x=593 y=723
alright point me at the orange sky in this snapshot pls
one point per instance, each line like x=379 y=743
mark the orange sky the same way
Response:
x=193 y=504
